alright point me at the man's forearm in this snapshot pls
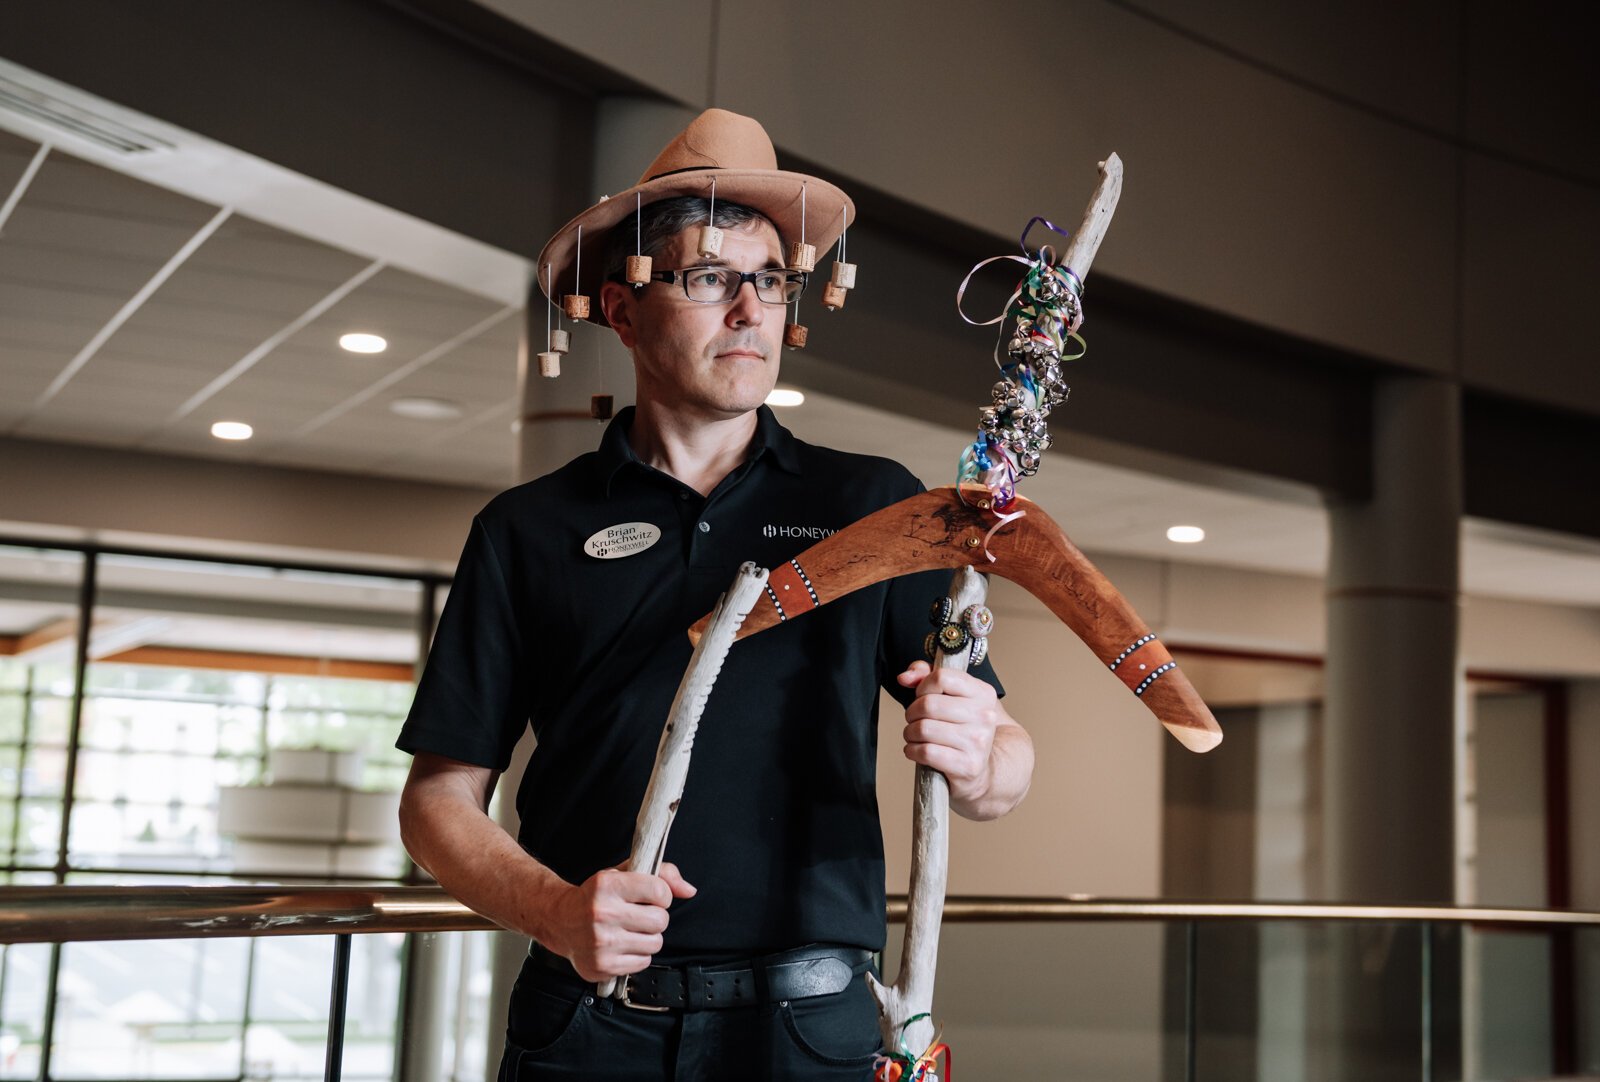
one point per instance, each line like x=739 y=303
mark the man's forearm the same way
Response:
x=1010 y=774
x=477 y=862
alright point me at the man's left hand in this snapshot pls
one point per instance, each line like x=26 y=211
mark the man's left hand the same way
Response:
x=957 y=726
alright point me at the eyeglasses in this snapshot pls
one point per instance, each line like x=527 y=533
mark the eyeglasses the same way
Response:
x=718 y=285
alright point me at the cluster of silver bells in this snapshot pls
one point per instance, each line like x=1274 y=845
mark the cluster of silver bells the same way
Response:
x=967 y=633
x=1021 y=429
x=1013 y=421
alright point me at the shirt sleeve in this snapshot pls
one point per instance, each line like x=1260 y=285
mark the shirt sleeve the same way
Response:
x=472 y=703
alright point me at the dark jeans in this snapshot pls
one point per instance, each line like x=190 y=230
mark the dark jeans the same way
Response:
x=559 y=1029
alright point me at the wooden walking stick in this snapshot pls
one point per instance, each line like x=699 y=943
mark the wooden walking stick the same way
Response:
x=671 y=769
x=905 y=1008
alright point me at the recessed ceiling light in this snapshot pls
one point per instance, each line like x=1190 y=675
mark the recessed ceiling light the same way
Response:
x=425 y=409
x=1185 y=535
x=232 y=430
x=364 y=343
x=782 y=396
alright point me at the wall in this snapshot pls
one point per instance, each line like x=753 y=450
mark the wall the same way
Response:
x=77 y=492
x=1347 y=175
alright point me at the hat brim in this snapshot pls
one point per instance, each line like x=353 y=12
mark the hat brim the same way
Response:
x=775 y=193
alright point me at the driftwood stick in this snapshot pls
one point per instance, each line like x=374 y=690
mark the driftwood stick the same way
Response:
x=667 y=779
x=1096 y=219
x=912 y=992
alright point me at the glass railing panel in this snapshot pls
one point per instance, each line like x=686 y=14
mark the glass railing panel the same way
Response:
x=24 y=988
x=372 y=1008
x=1507 y=1004
x=1281 y=1001
x=454 y=1025
x=1242 y=994
x=1051 y=1000
x=1586 y=1000
x=286 y=1037
x=156 y=1009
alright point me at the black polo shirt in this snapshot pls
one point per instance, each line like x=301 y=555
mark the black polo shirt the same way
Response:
x=779 y=822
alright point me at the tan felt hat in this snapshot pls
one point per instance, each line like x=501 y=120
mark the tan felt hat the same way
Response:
x=717 y=145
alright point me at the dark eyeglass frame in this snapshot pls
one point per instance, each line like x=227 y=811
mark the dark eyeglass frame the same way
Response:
x=681 y=278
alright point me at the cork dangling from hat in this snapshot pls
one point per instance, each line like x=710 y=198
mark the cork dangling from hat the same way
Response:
x=736 y=152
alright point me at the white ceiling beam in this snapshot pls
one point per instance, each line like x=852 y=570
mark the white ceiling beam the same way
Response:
x=20 y=189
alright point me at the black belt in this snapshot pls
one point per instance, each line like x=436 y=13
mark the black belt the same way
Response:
x=797 y=974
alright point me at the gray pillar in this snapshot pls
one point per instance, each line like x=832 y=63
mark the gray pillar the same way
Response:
x=554 y=424
x=1393 y=655
x=1393 y=671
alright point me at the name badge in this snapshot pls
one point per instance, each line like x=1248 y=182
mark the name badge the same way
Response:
x=623 y=539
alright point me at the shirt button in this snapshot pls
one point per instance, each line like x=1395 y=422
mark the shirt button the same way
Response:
x=683 y=495
x=705 y=527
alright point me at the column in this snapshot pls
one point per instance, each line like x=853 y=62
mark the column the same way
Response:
x=554 y=423
x=1393 y=658
x=1389 y=737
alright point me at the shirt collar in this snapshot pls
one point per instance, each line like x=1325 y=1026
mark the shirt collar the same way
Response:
x=771 y=438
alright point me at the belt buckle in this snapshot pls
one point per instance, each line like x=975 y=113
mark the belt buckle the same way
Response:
x=622 y=996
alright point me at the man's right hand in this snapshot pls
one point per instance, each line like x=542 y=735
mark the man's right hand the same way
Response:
x=611 y=925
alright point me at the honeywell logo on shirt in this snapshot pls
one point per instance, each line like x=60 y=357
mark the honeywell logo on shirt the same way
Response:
x=810 y=533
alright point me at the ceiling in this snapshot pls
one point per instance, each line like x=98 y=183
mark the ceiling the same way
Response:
x=134 y=315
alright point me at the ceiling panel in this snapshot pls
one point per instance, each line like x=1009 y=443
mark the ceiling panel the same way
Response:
x=43 y=314
x=191 y=337
x=81 y=207
x=70 y=270
x=458 y=383
x=262 y=253
x=24 y=374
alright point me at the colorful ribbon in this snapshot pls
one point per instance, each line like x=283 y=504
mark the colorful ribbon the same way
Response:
x=902 y=1066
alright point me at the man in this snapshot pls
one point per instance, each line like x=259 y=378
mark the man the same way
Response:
x=750 y=947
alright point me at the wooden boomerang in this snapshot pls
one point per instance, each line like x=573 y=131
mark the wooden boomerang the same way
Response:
x=939 y=529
